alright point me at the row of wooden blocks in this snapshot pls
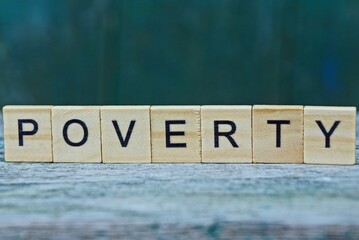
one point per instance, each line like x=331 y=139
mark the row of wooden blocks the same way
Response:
x=180 y=134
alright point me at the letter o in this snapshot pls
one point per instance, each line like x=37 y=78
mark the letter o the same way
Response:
x=66 y=137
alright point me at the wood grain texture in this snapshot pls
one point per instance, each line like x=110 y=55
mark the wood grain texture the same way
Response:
x=190 y=115
x=340 y=147
x=36 y=147
x=240 y=151
x=90 y=151
x=138 y=147
x=265 y=148
x=178 y=201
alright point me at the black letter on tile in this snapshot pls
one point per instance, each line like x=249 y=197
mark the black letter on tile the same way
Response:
x=327 y=134
x=124 y=142
x=66 y=138
x=22 y=133
x=224 y=134
x=278 y=124
x=177 y=133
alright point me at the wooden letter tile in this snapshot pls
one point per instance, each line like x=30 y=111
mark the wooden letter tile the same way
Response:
x=277 y=134
x=76 y=134
x=175 y=134
x=329 y=135
x=27 y=133
x=226 y=134
x=126 y=134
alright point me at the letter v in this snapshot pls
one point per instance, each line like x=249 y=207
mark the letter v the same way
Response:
x=124 y=142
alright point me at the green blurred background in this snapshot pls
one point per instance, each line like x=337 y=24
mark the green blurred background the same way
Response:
x=179 y=52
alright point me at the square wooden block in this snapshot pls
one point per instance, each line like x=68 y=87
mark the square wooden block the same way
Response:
x=277 y=134
x=126 y=134
x=76 y=134
x=175 y=134
x=226 y=134
x=27 y=133
x=329 y=135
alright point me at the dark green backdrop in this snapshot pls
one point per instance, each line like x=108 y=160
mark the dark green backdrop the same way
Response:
x=179 y=52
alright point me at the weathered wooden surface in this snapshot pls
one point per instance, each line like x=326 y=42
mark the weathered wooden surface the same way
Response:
x=182 y=201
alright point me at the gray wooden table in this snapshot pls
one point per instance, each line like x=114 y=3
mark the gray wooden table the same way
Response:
x=177 y=201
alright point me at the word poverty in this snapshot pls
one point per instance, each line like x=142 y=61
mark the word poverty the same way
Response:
x=180 y=134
